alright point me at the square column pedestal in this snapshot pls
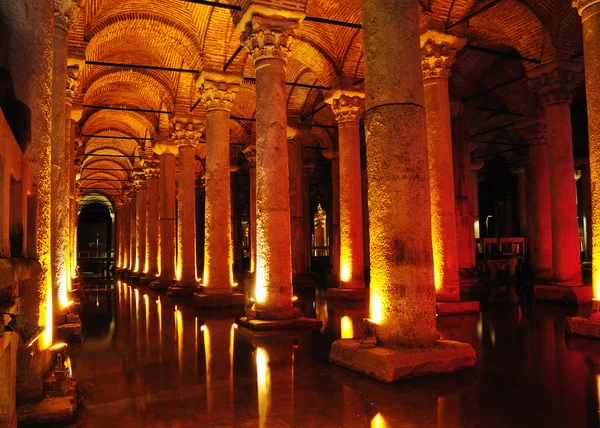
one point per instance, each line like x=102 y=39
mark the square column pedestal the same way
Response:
x=563 y=294
x=298 y=322
x=392 y=364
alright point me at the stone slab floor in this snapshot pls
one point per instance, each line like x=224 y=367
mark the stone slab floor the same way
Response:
x=146 y=362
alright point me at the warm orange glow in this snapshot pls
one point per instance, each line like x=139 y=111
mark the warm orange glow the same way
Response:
x=58 y=347
x=263 y=379
x=207 y=359
x=68 y=365
x=159 y=312
x=378 y=422
x=46 y=310
x=347 y=328
x=179 y=322
x=231 y=344
x=294 y=298
x=345 y=270
x=260 y=290
x=376 y=307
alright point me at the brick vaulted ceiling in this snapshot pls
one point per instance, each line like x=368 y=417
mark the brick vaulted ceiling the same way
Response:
x=184 y=35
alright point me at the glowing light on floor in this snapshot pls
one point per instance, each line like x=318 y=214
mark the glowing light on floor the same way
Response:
x=263 y=379
x=378 y=421
x=345 y=270
x=347 y=328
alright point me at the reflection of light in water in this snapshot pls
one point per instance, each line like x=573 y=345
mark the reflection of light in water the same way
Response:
x=137 y=307
x=480 y=328
x=97 y=300
x=159 y=311
x=263 y=380
x=378 y=421
x=207 y=358
x=68 y=365
x=196 y=344
x=179 y=324
x=493 y=337
x=598 y=389
x=147 y=308
x=321 y=311
x=347 y=328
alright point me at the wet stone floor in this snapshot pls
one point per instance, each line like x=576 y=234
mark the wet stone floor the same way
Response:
x=150 y=361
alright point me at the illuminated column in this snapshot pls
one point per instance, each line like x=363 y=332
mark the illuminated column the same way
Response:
x=133 y=228
x=438 y=52
x=140 y=225
x=250 y=154
x=297 y=202
x=150 y=266
x=586 y=208
x=73 y=114
x=60 y=168
x=218 y=91
x=267 y=40
x=589 y=10
x=554 y=84
x=348 y=108
x=334 y=244
x=402 y=275
x=186 y=134
x=166 y=195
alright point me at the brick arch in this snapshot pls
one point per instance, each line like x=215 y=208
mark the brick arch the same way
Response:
x=129 y=121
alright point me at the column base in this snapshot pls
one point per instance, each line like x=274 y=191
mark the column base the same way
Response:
x=583 y=326
x=135 y=276
x=148 y=279
x=285 y=324
x=348 y=293
x=212 y=301
x=177 y=290
x=457 y=308
x=564 y=294
x=161 y=284
x=392 y=364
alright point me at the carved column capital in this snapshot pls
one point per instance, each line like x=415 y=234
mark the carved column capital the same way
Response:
x=533 y=131
x=438 y=54
x=185 y=132
x=581 y=5
x=250 y=154
x=72 y=81
x=218 y=90
x=268 y=37
x=348 y=106
x=555 y=83
x=64 y=11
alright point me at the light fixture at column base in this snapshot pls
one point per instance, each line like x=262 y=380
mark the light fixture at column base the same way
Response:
x=348 y=293
x=583 y=326
x=285 y=324
x=564 y=294
x=181 y=291
x=212 y=301
x=457 y=308
x=392 y=364
x=161 y=284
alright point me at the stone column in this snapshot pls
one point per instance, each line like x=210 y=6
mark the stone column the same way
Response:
x=140 y=225
x=402 y=299
x=438 y=52
x=586 y=209
x=402 y=276
x=267 y=40
x=538 y=185
x=186 y=134
x=250 y=154
x=166 y=195
x=150 y=266
x=218 y=91
x=334 y=243
x=60 y=167
x=133 y=230
x=297 y=202
x=589 y=10
x=554 y=84
x=126 y=218
x=521 y=182
x=348 y=108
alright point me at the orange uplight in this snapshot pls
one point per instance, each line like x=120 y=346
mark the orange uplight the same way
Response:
x=376 y=307
x=58 y=347
x=378 y=421
x=68 y=365
x=347 y=328
x=260 y=290
x=345 y=271
x=294 y=298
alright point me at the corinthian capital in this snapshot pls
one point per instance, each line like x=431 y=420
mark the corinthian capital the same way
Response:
x=438 y=54
x=268 y=37
x=555 y=83
x=250 y=154
x=64 y=14
x=72 y=81
x=581 y=5
x=218 y=90
x=348 y=106
x=533 y=131
x=185 y=132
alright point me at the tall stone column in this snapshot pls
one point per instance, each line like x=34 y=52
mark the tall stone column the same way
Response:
x=348 y=108
x=250 y=154
x=402 y=303
x=297 y=202
x=186 y=135
x=586 y=208
x=438 y=52
x=140 y=225
x=334 y=243
x=60 y=168
x=150 y=267
x=133 y=230
x=267 y=40
x=554 y=84
x=119 y=233
x=166 y=195
x=218 y=91
x=538 y=185
x=126 y=218
x=522 y=186
x=589 y=10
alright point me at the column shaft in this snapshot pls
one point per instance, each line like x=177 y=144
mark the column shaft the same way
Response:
x=297 y=220
x=253 y=219
x=334 y=244
x=186 y=226
x=140 y=260
x=402 y=279
x=152 y=237
x=132 y=233
x=586 y=208
x=167 y=216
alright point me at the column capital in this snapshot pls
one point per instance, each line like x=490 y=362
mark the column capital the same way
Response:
x=555 y=82
x=438 y=53
x=532 y=130
x=217 y=89
x=139 y=179
x=250 y=154
x=348 y=106
x=152 y=168
x=72 y=81
x=267 y=37
x=581 y=5
x=64 y=11
x=185 y=132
